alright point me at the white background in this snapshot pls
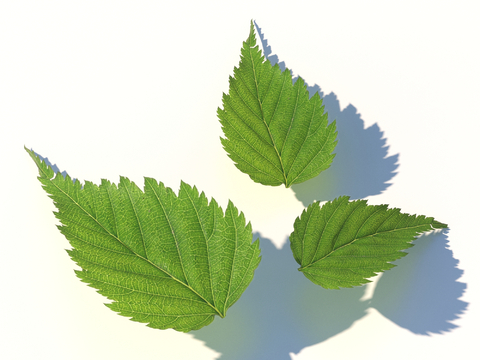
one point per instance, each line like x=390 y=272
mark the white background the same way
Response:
x=109 y=88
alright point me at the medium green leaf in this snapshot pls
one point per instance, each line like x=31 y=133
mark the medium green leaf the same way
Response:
x=166 y=260
x=273 y=131
x=343 y=243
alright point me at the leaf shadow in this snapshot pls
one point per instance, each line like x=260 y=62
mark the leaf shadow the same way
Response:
x=423 y=294
x=361 y=166
x=281 y=312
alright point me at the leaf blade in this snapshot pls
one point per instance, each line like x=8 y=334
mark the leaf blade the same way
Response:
x=274 y=131
x=161 y=258
x=343 y=243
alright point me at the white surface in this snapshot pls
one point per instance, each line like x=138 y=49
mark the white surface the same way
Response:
x=109 y=88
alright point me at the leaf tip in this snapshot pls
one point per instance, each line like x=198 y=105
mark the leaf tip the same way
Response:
x=438 y=225
x=30 y=152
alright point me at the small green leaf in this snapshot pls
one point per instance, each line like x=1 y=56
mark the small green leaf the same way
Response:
x=166 y=260
x=343 y=243
x=273 y=131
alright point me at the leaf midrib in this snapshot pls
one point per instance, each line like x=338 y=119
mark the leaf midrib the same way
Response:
x=263 y=117
x=360 y=238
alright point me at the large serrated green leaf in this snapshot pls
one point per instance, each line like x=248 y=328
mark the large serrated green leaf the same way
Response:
x=273 y=131
x=343 y=243
x=166 y=260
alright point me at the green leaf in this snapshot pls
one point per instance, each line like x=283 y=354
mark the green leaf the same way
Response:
x=273 y=131
x=343 y=243
x=166 y=260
